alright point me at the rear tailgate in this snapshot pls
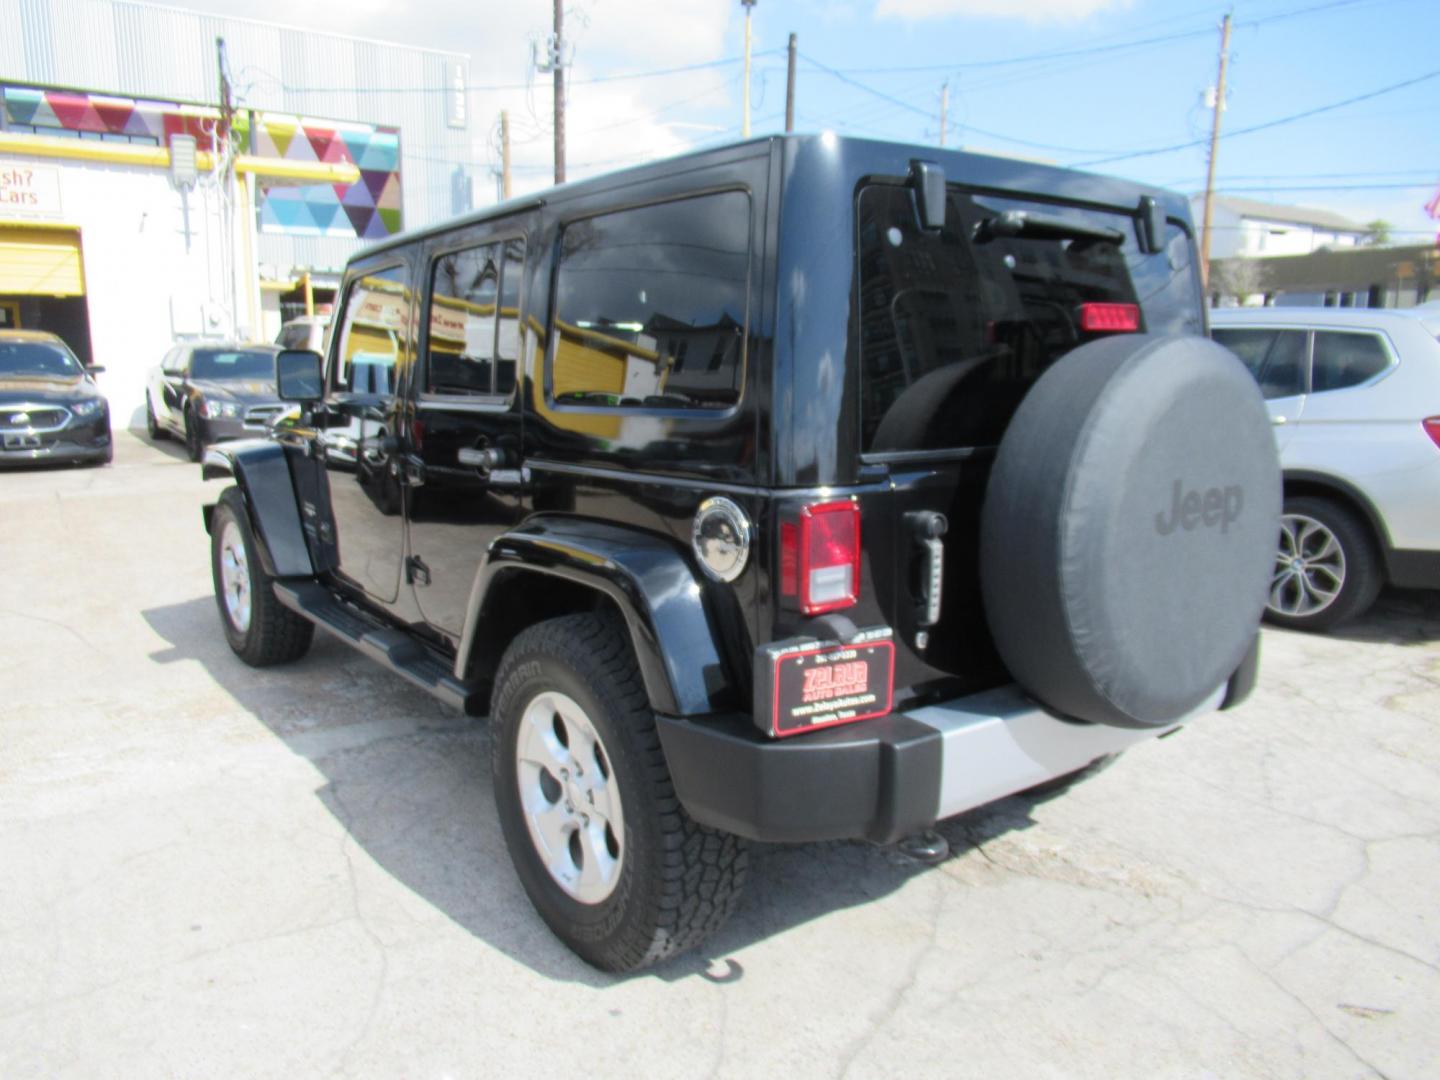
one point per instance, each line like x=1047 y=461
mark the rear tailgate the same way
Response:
x=954 y=327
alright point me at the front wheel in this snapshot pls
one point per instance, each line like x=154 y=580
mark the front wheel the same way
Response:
x=260 y=629
x=152 y=425
x=194 y=444
x=1326 y=566
x=606 y=853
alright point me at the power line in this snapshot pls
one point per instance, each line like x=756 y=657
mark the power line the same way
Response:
x=1095 y=50
x=1268 y=123
x=477 y=88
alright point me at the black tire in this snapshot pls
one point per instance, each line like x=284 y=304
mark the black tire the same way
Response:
x=1297 y=599
x=194 y=445
x=152 y=425
x=1127 y=535
x=273 y=634
x=677 y=881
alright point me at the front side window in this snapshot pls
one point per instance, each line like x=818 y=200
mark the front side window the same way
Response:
x=955 y=326
x=1347 y=359
x=651 y=304
x=1275 y=357
x=474 y=339
x=374 y=337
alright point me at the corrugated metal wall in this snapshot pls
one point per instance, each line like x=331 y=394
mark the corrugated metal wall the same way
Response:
x=143 y=50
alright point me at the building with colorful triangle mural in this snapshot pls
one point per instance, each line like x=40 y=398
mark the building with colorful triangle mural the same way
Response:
x=369 y=209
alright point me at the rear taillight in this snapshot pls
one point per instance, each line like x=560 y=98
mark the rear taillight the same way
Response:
x=820 y=557
x=1431 y=424
x=1109 y=318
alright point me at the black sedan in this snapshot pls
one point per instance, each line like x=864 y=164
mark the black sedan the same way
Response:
x=206 y=392
x=50 y=408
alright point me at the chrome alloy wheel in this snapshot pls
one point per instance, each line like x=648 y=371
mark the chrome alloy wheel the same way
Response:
x=235 y=576
x=1309 y=568
x=569 y=797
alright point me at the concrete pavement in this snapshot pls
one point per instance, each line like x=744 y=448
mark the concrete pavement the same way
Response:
x=211 y=871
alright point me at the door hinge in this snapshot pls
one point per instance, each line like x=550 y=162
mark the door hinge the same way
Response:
x=416 y=572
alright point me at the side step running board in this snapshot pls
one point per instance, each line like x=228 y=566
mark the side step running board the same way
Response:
x=395 y=649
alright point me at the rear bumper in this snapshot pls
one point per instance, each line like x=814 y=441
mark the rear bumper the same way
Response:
x=881 y=779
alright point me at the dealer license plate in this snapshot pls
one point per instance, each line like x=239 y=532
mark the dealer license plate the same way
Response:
x=824 y=685
x=22 y=442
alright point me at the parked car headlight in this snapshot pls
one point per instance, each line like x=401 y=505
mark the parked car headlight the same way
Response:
x=87 y=408
x=213 y=410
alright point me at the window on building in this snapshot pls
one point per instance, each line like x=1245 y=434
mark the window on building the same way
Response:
x=1275 y=357
x=640 y=290
x=374 y=334
x=1347 y=359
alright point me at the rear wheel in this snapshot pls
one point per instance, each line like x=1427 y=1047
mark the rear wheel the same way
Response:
x=260 y=630
x=1326 y=566
x=603 y=848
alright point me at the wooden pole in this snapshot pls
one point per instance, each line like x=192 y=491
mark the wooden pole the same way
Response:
x=1214 y=147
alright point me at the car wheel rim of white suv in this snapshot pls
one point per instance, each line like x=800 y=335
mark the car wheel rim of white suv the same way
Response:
x=1309 y=568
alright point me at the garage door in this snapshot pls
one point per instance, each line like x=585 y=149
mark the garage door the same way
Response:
x=40 y=262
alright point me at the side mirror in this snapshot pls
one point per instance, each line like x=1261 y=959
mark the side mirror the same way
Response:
x=298 y=376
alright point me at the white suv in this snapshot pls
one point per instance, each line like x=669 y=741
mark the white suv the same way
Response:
x=1354 y=395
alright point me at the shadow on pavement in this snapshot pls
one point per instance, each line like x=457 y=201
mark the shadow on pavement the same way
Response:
x=410 y=781
x=1398 y=617
x=169 y=446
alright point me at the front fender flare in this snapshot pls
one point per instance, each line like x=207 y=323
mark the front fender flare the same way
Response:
x=649 y=582
x=260 y=470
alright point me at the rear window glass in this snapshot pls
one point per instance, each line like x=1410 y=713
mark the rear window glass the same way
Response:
x=954 y=327
x=232 y=364
x=1347 y=359
x=651 y=304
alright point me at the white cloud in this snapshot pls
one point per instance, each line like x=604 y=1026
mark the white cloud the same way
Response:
x=1033 y=11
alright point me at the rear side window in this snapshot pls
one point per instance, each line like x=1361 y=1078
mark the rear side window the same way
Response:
x=1347 y=359
x=474 y=339
x=954 y=327
x=650 y=306
x=1275 y=357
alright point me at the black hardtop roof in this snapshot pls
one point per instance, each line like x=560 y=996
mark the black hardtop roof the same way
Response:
x=863 y=156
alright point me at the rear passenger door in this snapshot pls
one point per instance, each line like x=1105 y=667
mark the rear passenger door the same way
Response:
x=465 y=481
x=1279 y=358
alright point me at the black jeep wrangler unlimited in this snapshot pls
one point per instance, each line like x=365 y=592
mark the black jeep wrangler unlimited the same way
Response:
x=802 y=489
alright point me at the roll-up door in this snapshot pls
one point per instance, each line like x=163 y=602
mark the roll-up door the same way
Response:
x=40 y=262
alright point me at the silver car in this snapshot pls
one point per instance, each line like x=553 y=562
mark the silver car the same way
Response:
x=1354 y=395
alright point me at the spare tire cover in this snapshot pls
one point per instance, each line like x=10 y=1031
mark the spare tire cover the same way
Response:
x=1128 y=531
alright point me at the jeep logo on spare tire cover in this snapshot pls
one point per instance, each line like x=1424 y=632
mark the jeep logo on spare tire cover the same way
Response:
x=1129 y=528
x=1215 y=506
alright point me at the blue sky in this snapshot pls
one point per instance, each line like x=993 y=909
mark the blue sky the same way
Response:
x=887 y=60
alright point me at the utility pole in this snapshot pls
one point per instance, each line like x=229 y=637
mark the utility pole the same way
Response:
x=944 y=108
x=559 y=61
x=790 y=88
x=745 y=119
x=1214 y=147
x=504 y=154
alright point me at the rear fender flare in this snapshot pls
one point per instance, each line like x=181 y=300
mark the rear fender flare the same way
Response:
x=648 y=581
x=260 y=470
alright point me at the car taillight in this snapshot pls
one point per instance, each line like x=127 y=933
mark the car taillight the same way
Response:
x=1109 y=318
x=820 y=557
x=1431 y=424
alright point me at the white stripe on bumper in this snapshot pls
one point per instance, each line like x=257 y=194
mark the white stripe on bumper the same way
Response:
x=999 y=742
